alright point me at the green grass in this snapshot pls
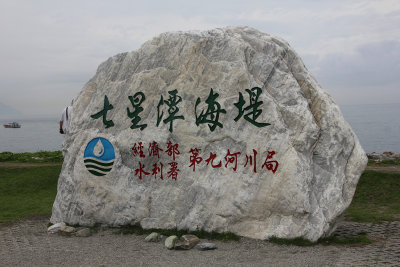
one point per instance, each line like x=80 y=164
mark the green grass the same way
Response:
x=384 y=162
x=298 y=241
x=138 y=230
x=37 y=157
x=27 y=191
x=359 y=240
x=377 y=198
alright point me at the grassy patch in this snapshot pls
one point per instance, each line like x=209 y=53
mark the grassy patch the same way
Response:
x=27 y=191
x=298 y=241
x=377 y=198
x=359 y=240
x=138 y=230
x=385 y=162
x=37 y=157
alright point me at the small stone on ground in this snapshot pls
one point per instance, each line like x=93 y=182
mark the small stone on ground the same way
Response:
x=206 y=246
x=171 y=241
x=153 y=237
x=187 y=242
x=84 y=232
x=55 y=228
x=67 y=230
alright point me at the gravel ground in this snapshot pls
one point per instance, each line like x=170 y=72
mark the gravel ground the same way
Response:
x=26 y=243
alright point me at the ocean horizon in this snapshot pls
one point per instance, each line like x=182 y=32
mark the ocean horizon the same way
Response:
x=376 y=125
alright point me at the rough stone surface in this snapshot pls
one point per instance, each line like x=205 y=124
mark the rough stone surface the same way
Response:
x=84 y=232
x=153 y=237
x=55 y=228
x=187 y=242
x=320 y=158
x=67 y=230
x=206 y=246
x=171 y=241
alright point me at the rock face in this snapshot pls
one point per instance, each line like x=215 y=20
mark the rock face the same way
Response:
x=223 y=130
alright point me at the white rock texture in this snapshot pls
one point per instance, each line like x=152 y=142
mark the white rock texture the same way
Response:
x=318 y=158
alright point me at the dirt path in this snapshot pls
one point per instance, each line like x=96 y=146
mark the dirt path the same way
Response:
x=389 y=168
x=26 y=243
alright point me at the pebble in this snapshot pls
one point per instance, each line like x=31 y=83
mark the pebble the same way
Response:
x=206 y=246
x=187 y=242
x=153 y=237
x=171 y=241
x=55 y=228
x=67 y=230
x=84 y=232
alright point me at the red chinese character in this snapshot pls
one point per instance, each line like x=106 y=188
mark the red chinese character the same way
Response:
x=194 y=158
x=231 y=158
x=141 y=171
x=250 y=160
x=172 y=150
x=270 y=154
x=211 y=158
x=157 y=170
x=173 y=170
x=154 y=149
x=138 y=150
x=271 y=165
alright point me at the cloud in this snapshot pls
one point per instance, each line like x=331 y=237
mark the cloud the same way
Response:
x=369 y=75
x=50 y=49
x=375 y=64
x=47 y=57
x=340 y=27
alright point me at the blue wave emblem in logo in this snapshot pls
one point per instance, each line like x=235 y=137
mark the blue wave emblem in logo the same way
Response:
x=99 y=156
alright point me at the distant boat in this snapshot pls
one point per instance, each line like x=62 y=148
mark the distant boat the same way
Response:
x=12 y=125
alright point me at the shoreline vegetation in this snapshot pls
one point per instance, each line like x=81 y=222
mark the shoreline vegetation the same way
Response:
x=36 y=157
x=28 y=186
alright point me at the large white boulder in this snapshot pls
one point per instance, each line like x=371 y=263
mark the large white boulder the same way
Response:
x=244 y=139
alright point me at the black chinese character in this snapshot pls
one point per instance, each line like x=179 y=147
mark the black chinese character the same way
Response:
x=136 y=101
x=211 y=115
x=254 y=112
x=172 y=102
x=106 y=107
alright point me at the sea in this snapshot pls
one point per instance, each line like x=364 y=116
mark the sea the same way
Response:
x=377 y=127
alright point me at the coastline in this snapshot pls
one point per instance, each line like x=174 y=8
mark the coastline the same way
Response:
x=385 y=157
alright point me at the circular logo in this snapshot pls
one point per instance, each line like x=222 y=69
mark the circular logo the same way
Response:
x=99 y=156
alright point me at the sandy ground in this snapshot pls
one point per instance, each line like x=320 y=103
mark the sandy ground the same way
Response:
x=26 y=243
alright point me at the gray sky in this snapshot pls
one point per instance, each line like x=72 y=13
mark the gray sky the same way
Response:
x=49 y=49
